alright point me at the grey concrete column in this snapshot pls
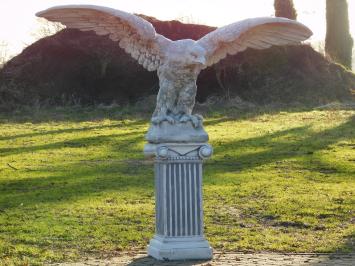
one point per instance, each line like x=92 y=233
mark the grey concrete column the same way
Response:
x=178 y=192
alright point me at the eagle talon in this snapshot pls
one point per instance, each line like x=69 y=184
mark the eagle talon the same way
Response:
x=178 y=63
x=157 y=120
x=196 y=120
x=185 y=118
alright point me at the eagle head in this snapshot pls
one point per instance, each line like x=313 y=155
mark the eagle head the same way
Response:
x=187 y=52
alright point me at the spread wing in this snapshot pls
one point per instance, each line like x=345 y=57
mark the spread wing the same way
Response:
x=135 y=35
x=257 y=33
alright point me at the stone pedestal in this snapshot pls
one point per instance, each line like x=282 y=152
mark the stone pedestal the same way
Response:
x=178 y=191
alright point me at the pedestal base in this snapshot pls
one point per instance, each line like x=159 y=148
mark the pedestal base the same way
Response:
x=179 y=248
x=178 y=201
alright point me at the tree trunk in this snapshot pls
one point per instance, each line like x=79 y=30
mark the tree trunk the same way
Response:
x=338 y=42
x=285 y=9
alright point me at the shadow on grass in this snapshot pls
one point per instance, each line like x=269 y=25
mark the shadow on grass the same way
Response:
x=77 y=180
x=94 y=113
x=75 y=143
x=73 y=181
x=73 y=130
x=306 y=144
x=343 y=255
x=349 y=244
x=68 y=186
x=151 y=261
x=225 y=114
x=72 y=114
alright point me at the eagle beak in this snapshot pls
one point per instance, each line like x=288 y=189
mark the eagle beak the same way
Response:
x=201 y=60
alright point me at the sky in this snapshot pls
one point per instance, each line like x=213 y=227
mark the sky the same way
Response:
x=18 y=21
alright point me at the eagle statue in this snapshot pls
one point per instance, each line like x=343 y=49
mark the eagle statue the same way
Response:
x=178 y=63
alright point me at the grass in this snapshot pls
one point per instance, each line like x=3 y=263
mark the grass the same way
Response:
x=74 y=183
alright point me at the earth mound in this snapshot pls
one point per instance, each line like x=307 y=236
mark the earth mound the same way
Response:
x=74 y=67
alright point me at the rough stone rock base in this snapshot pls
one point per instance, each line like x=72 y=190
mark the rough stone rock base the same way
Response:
x=176 y=133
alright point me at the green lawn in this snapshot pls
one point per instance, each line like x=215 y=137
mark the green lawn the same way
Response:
x=74 y=183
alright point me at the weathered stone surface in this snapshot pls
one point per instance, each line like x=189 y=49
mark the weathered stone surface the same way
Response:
x=180 y=135
x=178 y=63
x=176 y=133
x=178 y=200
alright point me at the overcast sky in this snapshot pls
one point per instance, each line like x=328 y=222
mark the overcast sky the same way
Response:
x=17 y=20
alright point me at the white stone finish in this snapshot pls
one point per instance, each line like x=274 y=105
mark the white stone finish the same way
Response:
x=179 y=248
x=176 y=137
x=178 y=62
x=178 y=200
x=176 y=150
x=176 y=133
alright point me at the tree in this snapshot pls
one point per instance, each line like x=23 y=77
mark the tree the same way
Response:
x=46 y=28
x=4 y=53
x=338 y=42
x=285 y=9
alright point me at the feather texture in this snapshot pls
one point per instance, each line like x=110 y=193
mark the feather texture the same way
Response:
x=134 y=34
x=257 y=33
x=178 y=62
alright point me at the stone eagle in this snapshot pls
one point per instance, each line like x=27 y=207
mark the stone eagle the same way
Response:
x=178 y=63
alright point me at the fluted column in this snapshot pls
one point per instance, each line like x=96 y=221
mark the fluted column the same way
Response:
x=179 y=210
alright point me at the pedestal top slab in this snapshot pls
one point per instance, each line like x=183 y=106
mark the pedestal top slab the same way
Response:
x=176 y=133
x=182 y=151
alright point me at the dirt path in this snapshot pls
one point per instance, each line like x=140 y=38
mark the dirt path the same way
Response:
x=227 y=259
